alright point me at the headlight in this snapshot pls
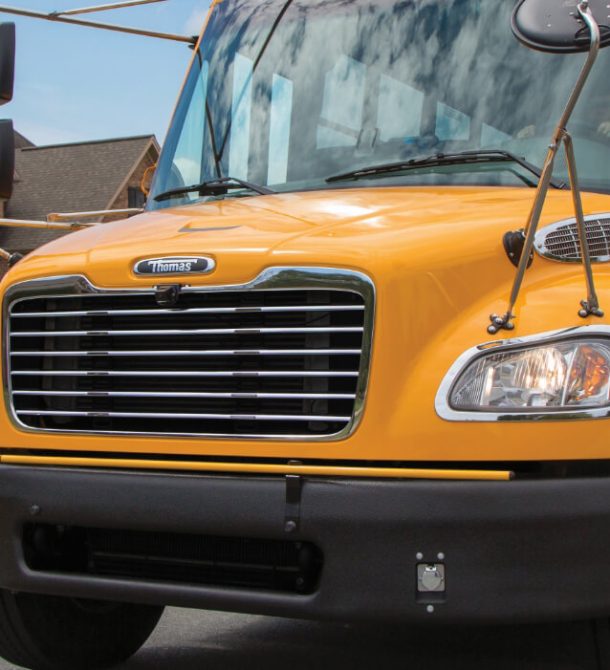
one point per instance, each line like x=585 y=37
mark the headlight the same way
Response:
x=532 y=376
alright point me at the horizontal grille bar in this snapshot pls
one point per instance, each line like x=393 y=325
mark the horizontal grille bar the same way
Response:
x=170 y=394
x=286 y=360
x=190 y=352
x=201 y=310
x=199 y=331
x=172 y=415
x=186 y=374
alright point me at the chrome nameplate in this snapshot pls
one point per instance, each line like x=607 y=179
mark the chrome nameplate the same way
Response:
x=175 y=265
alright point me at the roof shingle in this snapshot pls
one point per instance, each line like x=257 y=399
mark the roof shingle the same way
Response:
x=21 y=141
x=68 y=178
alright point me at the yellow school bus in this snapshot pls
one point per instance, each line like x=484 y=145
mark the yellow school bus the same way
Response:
x=278 y=389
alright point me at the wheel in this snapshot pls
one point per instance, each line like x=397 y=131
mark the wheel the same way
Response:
x=51 y=633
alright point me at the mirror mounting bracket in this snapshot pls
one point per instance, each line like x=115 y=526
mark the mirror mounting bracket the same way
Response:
x=560 y=137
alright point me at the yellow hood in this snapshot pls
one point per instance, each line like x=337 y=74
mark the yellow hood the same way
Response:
x=359 y=228
x=439 y=268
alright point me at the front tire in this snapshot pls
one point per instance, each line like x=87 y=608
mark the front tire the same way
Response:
x=55 y=633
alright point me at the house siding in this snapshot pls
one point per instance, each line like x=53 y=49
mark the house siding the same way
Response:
x=122 y=200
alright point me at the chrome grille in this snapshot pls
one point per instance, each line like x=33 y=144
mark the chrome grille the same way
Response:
x=284 y=357
x=559 y=241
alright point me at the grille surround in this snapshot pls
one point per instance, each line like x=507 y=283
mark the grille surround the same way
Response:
x=549 y=240
x=273 y=279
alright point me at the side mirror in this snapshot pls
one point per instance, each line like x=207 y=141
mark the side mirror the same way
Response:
x=564 y=27
x=7 y=159
x=7 y=61
x=557 y=27
x=147 y=178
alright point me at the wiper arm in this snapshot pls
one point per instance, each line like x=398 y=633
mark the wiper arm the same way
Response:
x=440 y=159
x=218 y=186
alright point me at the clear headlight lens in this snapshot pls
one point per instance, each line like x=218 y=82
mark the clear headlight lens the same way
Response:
x=554 y=376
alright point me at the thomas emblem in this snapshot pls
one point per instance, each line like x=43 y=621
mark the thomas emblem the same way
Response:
x=175 y=265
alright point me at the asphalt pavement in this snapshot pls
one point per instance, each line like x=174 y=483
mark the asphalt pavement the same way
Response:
x=194 y=640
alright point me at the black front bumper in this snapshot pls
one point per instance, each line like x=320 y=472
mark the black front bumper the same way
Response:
x=527 y=551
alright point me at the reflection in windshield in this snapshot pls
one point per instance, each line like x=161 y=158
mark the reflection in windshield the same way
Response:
x=300 y=90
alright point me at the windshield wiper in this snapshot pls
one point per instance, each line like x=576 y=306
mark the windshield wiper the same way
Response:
x=441 y=159
x=219 y=186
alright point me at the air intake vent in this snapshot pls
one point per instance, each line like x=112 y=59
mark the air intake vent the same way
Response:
x=250 y=563
x=559 y=241
x=284 y=357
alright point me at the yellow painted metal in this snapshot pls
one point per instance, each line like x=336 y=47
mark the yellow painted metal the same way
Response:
x=439 y=268
x=260 y=469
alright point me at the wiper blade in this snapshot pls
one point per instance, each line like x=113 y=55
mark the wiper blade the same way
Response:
x=218 y=186
x=441 y=159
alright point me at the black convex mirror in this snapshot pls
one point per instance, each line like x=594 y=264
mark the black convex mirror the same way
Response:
x=7 y=159
x=556 y=26
x=7 y=61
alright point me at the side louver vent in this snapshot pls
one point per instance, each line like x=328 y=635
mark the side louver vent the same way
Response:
x=559 y=241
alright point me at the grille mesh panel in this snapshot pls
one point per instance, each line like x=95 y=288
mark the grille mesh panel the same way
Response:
x=560 y=241
x=254 y=363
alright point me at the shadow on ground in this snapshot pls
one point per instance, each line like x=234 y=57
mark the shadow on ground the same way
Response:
x=191 y=640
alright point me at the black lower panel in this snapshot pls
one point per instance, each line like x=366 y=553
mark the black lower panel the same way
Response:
x=523 y=550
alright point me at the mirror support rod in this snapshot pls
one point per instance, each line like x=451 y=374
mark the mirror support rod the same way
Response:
x=75 y=217
x=48 y=225
x=103 y=8
x=10 y=258
x=69 y=220
x=59 y=18
x=590 y=306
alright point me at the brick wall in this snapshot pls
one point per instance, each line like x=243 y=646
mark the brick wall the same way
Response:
x=122 y=202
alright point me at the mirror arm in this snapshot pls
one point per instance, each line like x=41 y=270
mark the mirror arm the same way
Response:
x=47 y=225
x=74 y=217
x=10 y=258
x=590 y=306
x=59 y=18
x=595 y=40
x=59 y=221
x=104 y=8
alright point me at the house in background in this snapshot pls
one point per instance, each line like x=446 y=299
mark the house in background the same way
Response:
x=21 y=142
x=84 y=176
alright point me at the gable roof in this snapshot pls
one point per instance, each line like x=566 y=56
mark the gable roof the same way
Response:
x=21 y=141
x=83 y=176
x=73 y=177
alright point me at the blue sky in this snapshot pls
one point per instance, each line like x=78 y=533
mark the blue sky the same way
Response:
x=76 y=83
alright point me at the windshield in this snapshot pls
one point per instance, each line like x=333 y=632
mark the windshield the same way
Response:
x=286 y=94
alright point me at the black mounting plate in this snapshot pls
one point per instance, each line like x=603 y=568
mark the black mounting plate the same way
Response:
x=555 y=26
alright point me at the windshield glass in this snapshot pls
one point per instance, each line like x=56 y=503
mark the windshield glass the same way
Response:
x=286 y=94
